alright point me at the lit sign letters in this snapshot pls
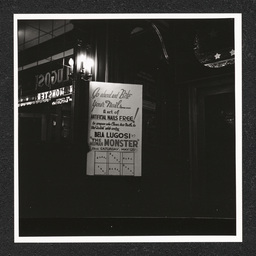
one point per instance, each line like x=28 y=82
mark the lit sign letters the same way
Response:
x=52 y=77
x=43 y=97
x=62 y=100
x=54 y=93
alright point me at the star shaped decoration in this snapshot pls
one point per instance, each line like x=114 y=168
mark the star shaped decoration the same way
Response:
x=217 y=56
x=232 y=52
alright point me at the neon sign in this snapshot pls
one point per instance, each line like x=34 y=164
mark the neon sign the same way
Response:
x=47 y=96
x=55 y=93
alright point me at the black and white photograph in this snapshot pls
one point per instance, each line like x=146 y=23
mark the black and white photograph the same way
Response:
x=127 y=128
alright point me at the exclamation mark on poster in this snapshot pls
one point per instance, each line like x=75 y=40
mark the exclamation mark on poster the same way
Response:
x=136 y=114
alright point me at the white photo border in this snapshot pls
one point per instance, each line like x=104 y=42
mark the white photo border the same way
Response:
x=238 y=139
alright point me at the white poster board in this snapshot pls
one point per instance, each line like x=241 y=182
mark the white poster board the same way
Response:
x=114 y=129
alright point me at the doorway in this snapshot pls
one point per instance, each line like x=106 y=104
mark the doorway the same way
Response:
x=212 y=149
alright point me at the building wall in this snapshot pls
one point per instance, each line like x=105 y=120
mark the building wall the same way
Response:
x=53 y=179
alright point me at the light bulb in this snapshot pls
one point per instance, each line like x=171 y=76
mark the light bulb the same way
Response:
x=71 y=64
x=88 y=65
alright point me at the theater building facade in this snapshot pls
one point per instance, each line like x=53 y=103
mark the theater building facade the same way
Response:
x=186 y=68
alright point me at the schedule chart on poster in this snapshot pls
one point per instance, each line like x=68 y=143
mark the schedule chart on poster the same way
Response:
x=114 y=163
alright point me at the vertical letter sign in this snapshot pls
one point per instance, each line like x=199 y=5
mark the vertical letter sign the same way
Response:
x=115 y=127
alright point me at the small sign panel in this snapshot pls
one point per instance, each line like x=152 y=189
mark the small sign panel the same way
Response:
x=115 y=129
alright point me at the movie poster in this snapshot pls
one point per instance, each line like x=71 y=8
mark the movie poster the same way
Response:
x=115 y=129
